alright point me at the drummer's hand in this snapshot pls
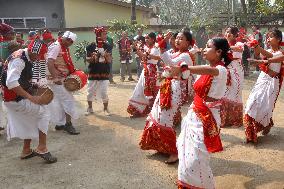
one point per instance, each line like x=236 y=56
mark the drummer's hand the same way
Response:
x=58 y=74
x=35 y=99
x=58 y=82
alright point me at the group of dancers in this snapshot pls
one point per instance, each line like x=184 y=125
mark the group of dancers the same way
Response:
x=35 y=91
x=215 y=91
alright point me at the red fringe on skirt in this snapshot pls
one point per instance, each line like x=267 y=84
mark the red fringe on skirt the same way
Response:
x=136 y=113
x=252 y=127
x=231 y=114
x=160 y=138
x=182 y=185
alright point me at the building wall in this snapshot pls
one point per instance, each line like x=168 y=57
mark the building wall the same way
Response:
x=88 y=13
x=34 y=8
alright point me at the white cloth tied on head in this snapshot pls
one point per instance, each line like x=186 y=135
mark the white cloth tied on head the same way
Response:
x=70 y=35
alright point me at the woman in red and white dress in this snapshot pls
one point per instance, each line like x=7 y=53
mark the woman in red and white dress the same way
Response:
x=232 y=105
x=142 y=99
x=262 y=99
x=159 y=133
x=200 y=129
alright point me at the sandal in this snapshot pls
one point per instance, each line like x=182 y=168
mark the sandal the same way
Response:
x=28 y=156
x=47 y=157
x=69 y=128
x=59 y=127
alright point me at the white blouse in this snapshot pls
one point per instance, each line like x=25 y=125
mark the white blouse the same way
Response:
x=275 y=66
x=15 y=68
x=176 y=58
x=218 y=87
x=237 y=54
x=154 y=51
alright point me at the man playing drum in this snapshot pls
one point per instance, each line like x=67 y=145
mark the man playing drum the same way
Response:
x=8 y=34
x=60 y=65
x=99 y=59
x=27 y=118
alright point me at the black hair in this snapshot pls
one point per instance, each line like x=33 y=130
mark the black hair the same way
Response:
x=20 y=33
x=255 y=26
x=234 y=30
x=188 y=36
x=277 y=34
x=175 y=35
x=185 y=29
x=60 y=33
x=152 y=35
x=222 y=44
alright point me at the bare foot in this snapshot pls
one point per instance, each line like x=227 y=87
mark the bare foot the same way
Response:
x=172 y=159
x=41 y=150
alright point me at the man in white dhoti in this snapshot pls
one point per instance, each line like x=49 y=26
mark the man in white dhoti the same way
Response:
x=60 y=65
x=27 y=118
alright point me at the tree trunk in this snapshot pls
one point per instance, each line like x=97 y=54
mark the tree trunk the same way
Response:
x=245 y=11
x=133 y=12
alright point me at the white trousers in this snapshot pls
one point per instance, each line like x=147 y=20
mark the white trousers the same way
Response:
x=63 y=102
x=97 y=89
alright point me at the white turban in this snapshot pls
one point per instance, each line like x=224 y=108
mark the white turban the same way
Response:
x=70 y=35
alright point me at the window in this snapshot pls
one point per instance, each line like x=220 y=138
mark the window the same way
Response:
x=26 y=22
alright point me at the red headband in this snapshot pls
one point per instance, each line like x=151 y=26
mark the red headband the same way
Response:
x=99 y=30
x=6 y=29
x=47 y=35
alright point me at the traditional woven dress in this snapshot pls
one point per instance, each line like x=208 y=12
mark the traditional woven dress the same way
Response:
x=200 y=131
x=142 y=99
x=159 y=133
x=99 y=74
x=262 y=99
x=39 y=72
x=232 y=104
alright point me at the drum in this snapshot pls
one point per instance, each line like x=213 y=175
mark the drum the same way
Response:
x=45 y=93
x=75 y=81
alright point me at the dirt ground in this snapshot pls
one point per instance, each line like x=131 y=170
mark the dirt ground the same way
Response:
x=106 y=154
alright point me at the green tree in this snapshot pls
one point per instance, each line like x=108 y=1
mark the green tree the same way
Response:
x=118 y=26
